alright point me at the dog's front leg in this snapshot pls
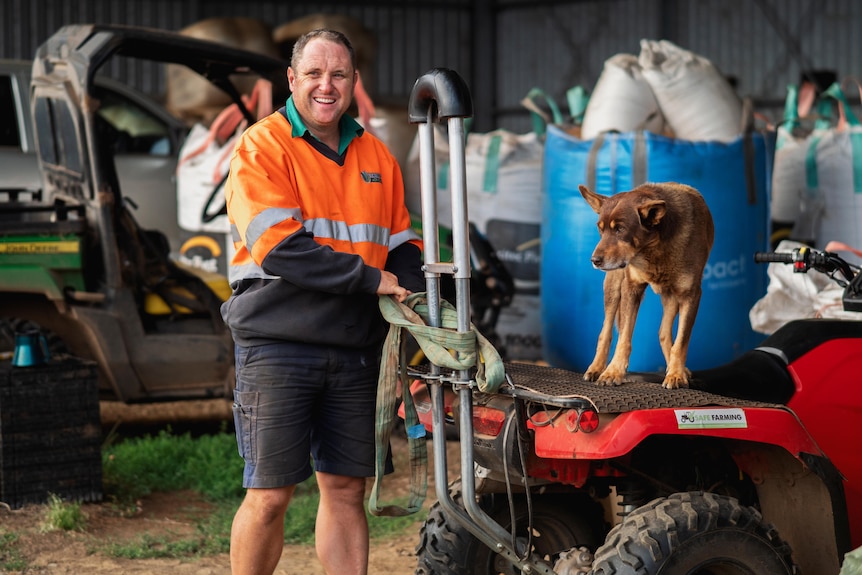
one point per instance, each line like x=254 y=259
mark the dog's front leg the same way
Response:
x=612 y=285
x=669 y=308
x=677 y=374
x=631 y=294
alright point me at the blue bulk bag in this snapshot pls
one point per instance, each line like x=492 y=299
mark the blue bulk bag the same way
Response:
x=733 y=177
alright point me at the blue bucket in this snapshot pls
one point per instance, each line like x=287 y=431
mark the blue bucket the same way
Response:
x=733 y=177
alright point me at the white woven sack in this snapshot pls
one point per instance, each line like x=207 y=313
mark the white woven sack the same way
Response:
x=503 y=172
x=203 y=162
x=820 y=181
x=790 y=194
x=622 y=100
x=841 y=218
x=504 y=200
x=788 y=176
x=697 y=102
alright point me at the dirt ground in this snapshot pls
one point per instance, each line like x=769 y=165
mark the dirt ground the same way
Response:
x=73 y=553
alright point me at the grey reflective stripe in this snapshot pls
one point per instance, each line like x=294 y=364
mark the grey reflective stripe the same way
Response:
x=247 y=271
x=336 y=230
x=402 y=238
x=234 y=233
x=267 y=219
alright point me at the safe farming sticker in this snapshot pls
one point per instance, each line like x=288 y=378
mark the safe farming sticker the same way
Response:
x=710 y=418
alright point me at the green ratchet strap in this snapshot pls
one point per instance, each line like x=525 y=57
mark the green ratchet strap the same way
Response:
x=443 y=346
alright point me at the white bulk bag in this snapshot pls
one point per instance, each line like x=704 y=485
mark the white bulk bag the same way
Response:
x=697 y=101
x=504 y=200
x=818 y=185
x=622 y=100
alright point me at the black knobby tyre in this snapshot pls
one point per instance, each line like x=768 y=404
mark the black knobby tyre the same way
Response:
x=695 y=533
x=559 y=523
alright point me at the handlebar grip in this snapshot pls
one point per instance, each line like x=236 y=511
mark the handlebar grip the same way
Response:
x=778 y=257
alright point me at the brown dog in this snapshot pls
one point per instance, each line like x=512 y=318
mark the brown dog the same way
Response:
x=658 y=234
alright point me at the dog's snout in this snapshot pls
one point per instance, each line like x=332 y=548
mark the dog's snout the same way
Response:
x=597 y=261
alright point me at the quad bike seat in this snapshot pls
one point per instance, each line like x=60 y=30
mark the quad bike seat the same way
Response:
x=761 y=374
x=758 y=375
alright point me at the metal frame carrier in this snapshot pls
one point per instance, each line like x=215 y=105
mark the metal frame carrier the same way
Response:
x=442 y=96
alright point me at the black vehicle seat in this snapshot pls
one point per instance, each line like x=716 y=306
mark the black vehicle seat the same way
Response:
x=761 y=374
x=758 y=375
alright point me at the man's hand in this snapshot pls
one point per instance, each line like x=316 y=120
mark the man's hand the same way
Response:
x=389 y=286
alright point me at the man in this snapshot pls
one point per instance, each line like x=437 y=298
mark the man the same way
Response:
x=317 y=211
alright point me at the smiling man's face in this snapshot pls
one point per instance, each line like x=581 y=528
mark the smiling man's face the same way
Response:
x=322 y=85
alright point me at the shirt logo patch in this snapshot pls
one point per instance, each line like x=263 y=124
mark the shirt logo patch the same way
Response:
x=371 y=178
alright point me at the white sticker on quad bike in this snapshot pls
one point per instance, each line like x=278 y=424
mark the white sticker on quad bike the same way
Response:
x=710 y=418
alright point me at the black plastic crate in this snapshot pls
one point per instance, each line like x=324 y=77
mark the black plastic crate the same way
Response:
x=50 y=432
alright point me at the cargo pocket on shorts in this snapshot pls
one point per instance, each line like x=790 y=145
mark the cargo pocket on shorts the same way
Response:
x=245 y=421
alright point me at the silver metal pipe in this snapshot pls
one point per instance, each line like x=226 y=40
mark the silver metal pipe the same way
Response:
x=430 y=234
x=488 y=532
x=460 y=220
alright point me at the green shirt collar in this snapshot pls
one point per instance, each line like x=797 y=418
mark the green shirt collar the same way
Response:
x=348 y=127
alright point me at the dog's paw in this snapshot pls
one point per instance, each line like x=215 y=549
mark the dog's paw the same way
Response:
x=610 y=377
x=675 y=380
x=592 y=374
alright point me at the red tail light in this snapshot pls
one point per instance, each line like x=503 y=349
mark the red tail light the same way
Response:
x=487 y=421
x=588 y=421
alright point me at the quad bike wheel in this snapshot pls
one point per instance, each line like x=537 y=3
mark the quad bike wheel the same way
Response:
x=695 y=533
x=559 y=524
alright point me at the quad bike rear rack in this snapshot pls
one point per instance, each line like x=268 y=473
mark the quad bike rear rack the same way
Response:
x=441 y=95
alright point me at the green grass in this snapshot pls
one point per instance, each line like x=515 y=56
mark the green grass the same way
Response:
x=210 y=466
x=10 y=558
x=63 y=516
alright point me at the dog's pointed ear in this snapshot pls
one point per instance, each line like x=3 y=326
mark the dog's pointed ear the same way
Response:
x=595 y=200
x=651 y=212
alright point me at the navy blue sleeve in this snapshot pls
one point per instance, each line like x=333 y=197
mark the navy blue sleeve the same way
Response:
x=405 y=261
x=307 y=264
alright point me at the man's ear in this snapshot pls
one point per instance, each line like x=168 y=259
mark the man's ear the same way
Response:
x=651 y=212
x=593 y=199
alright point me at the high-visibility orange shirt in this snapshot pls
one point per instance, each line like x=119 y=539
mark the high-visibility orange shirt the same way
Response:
x=312 y=229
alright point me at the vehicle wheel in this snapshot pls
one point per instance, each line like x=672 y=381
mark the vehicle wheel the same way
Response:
x=559 y=523
x=696 y=533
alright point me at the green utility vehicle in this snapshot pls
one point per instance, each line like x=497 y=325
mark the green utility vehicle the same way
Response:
x=74 y=261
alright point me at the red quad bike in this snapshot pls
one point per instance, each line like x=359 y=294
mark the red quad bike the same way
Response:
x=755 y=469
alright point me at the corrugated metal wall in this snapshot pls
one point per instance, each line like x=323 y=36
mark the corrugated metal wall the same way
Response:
x=412 y=36
x=505 y=47
x=764 y=44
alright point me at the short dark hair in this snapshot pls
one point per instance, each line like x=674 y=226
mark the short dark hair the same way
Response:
x=325 y=34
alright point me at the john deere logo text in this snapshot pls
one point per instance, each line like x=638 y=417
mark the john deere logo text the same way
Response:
x=371 y=178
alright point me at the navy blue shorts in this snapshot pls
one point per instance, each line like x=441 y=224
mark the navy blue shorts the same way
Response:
x=298 y=404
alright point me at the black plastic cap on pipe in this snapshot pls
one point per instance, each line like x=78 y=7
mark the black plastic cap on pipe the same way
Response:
x=444 y=89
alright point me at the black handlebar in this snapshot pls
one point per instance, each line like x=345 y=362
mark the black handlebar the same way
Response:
x=778 y=257
x=829 y=263
x=806 y=258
